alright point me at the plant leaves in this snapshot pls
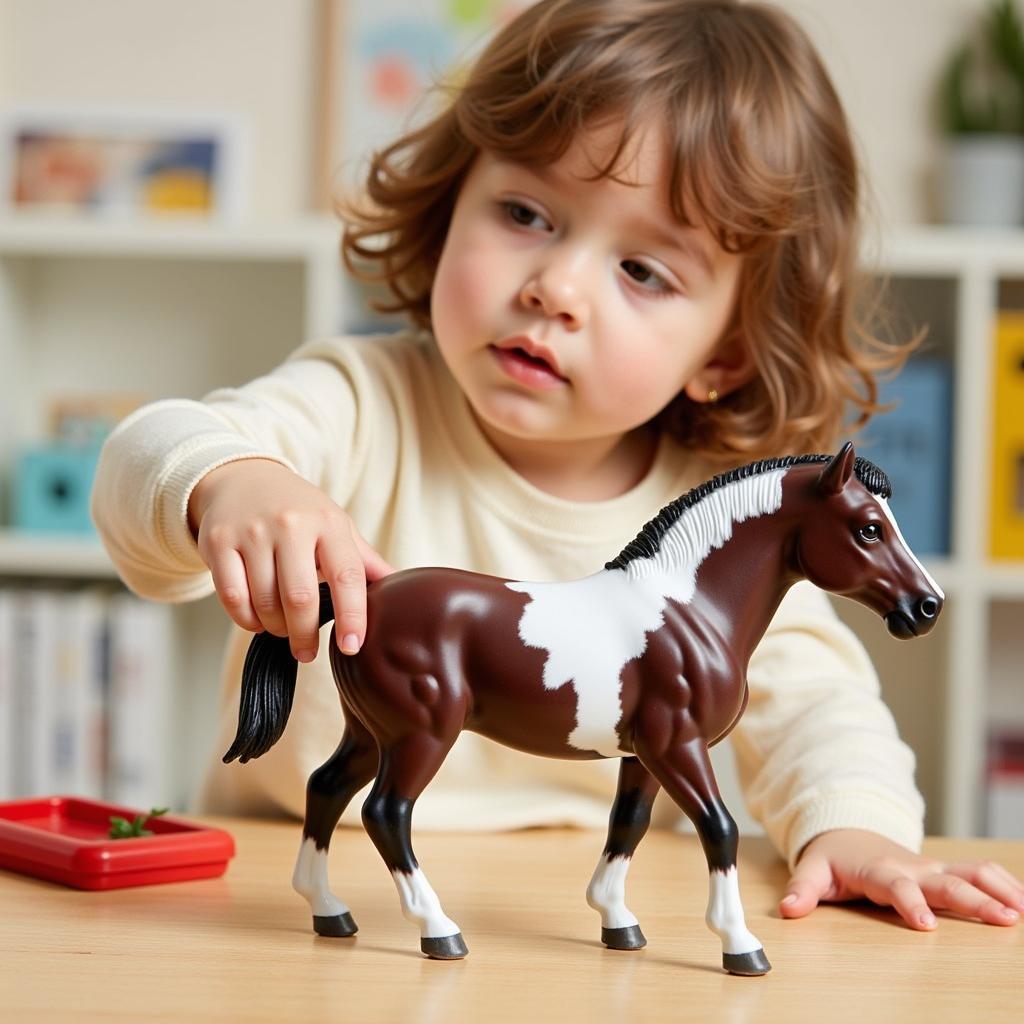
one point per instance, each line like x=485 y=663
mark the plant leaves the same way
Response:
x=121 y=828
x=982 y=87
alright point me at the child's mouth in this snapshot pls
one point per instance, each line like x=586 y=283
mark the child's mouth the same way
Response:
x=533 y=371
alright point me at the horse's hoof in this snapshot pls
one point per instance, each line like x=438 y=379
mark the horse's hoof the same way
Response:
x=750 y=965
x=338 y=926
x=629 y=937
x=448 y=947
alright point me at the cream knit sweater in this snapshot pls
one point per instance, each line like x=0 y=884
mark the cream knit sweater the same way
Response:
x=380 y=426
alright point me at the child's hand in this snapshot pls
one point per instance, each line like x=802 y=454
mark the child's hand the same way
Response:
x=264 y=532
x=849 y=864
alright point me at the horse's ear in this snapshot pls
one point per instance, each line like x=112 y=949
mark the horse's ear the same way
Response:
x=837 y=473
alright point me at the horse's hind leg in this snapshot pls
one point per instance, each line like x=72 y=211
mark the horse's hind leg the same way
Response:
x=627 y=825
x=683 y=767
x=406 y=766
x=328 y=792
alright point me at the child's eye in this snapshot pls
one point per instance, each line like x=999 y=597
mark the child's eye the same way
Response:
x=645 y=276
x=523 y=215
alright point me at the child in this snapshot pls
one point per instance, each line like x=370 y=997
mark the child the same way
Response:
x=628 y=248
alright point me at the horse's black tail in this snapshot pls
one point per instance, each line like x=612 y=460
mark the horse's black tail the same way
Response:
x=268 y=686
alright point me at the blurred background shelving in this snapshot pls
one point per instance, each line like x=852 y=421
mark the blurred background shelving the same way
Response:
x=194 y=292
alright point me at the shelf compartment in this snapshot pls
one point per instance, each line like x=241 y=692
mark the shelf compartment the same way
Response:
x=53 y=555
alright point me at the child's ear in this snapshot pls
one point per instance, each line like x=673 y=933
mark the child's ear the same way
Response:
x=729 y=367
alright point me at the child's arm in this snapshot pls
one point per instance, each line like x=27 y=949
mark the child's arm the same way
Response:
x=848 y=864
x=306 y=425
x=824 y=770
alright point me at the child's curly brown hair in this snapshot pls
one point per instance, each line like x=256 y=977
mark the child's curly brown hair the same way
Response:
x=762 y=154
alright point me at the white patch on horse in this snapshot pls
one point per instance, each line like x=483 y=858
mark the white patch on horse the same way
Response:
x=593 y=626
x=310 y=880
x=607 y=892
x=421 y=905
x=896 y=529
x=725 y=914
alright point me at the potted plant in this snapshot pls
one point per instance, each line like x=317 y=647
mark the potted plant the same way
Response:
x=982 y=109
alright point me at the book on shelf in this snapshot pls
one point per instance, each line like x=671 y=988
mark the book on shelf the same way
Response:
x=912 y=444
x=34 y=671
x=80 y=682
x=1006 y=516
x=1005 y=785
x=6 y=692
x=84 y=695
x=139 y=708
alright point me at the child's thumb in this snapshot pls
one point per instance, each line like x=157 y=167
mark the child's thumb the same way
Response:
x=806 y=887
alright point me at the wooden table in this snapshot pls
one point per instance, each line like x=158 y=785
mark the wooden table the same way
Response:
x=241 y=948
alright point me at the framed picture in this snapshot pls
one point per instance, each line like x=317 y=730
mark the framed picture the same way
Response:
x=121 y=164
x=375 y=62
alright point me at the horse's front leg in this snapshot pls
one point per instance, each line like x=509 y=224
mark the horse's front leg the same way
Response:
x=627 y=825
x=677 y=755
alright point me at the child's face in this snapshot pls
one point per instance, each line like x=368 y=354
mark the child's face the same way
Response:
x=569 y=309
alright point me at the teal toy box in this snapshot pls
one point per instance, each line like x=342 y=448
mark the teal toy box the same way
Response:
x=52 y=484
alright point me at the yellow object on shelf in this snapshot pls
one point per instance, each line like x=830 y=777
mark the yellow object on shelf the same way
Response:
x=178 y=189
x=1007 y=507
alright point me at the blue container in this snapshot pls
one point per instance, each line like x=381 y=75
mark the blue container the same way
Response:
x=52 y=484
x=912 y=444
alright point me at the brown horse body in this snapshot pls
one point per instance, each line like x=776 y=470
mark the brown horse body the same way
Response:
x=645 y=660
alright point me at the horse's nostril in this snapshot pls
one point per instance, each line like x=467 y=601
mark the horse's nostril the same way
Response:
x=928 y=607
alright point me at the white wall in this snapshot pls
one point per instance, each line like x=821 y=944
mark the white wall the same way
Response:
x=249 y=56
x=257 y=56
x=885 y=57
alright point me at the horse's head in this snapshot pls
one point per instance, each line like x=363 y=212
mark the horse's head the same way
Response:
x=849 y=543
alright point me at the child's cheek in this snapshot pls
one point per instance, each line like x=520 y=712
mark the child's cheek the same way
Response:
x=465 y=278
x=635 y=387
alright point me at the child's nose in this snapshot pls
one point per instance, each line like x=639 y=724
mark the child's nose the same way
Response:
x=557 y=292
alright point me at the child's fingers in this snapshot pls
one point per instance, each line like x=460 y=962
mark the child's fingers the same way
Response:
x=342 y=569
x=994 y=879
x=266 y=601
x=299 y=593
x=889 y=886
x=911 y=904
x=232 y=587
x=951 y=892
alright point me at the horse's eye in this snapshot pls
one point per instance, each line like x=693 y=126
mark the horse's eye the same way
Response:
x=870 y=533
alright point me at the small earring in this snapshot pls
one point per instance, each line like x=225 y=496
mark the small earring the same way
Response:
x=712 y=396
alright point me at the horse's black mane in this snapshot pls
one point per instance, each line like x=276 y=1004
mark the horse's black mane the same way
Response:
x=648 y=540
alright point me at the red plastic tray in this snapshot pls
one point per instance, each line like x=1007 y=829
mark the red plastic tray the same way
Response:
x=66 y=839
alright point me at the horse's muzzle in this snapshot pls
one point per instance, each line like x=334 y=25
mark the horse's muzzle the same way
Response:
x=913 y=618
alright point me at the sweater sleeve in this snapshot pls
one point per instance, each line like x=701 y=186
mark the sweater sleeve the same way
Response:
x=817 y=749
x=303 y=415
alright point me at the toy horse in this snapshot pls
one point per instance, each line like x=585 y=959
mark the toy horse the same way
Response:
x=645 y=661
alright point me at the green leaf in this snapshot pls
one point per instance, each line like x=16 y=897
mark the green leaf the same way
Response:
x=121 y=828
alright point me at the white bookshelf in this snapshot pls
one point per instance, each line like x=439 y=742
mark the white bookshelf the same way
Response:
x=154 y=310
x=976 y=690
x=176 y=309
x=40 y=554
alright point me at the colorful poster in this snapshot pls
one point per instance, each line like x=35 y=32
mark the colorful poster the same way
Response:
x=392 y=52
